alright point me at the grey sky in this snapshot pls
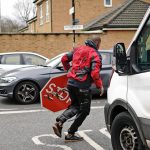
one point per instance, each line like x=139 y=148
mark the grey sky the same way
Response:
x=7 y=8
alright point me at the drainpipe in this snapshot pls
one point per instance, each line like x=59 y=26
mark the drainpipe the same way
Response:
x=51 y=16
x=0 y=18
x=73 y=23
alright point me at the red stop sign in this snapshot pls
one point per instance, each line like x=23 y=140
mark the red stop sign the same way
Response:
x=54 y=95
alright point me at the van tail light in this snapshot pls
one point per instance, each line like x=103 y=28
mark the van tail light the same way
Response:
x=111 y=76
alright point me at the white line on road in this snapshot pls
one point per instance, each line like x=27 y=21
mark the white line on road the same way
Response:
x=105 y=132
x=89 y=140
x=37 y=110
x=2 y=109
x=37 y=141
x=97 y=107
x=21 y=112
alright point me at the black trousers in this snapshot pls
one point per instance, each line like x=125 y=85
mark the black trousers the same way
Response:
x=80 y=106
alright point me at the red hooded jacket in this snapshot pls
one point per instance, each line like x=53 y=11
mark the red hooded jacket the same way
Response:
x=86 y=65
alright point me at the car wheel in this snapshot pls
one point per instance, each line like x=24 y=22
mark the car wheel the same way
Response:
x=124 y=134
x=26 y=92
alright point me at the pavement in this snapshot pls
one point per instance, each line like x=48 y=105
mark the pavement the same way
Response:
x=29 y=127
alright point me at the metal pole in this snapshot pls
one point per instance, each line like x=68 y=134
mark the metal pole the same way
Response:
x=73 y=22
x=0 y=18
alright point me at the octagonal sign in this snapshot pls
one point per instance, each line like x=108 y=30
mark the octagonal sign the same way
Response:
x=54 y=95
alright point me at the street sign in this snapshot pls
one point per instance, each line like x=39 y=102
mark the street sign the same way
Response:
x=71 y=10
x=73 y=27
x=54 y=95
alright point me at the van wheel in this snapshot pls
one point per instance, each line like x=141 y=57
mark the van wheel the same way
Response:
x=124 y=134
x=26 y=92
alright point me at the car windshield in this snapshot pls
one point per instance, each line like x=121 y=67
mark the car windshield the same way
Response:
x=106 y=58
x=54 y=61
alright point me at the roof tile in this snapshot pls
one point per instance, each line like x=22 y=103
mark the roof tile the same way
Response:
x=129 y=15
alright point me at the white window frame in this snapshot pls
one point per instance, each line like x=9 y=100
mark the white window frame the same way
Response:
x=41 y=14
x=31 y=28
x=106 y=5
x=47 y=11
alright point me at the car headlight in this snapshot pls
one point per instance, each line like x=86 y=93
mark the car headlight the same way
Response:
x=7 y=79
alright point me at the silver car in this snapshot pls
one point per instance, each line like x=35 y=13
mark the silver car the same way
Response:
x=24 y=84
x=13 y=60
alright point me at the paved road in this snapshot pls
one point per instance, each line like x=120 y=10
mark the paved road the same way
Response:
x=28 y=127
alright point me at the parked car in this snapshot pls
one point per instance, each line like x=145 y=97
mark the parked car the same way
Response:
x=13 y=60
x=24 y=84
x=106 y=70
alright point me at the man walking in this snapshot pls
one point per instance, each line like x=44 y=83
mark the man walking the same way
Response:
x=86 y=65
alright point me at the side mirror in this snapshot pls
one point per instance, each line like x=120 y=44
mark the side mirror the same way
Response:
x=120 y=59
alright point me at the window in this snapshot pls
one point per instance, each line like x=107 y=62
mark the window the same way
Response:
x=54 y=61
x=30 y=59
x=106 y=59
x=41 y=14
x=31 y=28
x=108 y=3
x=143 y=48
x=47 y=11
x=11 y=59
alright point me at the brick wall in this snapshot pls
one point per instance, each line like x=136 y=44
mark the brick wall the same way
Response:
x=147 y=1
x=51 y=45
x=60 y=15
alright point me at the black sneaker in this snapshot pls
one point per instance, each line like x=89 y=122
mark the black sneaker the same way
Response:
x=72 y=138
x=57 y=129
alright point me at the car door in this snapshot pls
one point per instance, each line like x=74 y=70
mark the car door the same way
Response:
x=106 y=68
x=139 y=82
x=105 y=71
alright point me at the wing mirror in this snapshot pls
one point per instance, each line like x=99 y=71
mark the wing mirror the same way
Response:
x=119 y=58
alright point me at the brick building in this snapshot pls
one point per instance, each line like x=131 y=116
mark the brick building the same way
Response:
x=53 y=15
x=115 y=23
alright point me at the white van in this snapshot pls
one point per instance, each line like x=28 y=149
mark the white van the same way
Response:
x=127 y=111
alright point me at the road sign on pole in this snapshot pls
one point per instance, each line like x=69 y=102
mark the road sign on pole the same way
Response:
x=73 y=27
x=71 y=10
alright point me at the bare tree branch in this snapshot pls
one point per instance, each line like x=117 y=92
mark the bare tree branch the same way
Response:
x=25 y=9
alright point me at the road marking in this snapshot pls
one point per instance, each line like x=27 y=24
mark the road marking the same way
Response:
x=1 y=109
x=89 y=140
x=37 y=139
x=36 y=110
x=98 y=102
x=38 y=142
x=21 y=112
x=105 y=132
x=97 y=107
